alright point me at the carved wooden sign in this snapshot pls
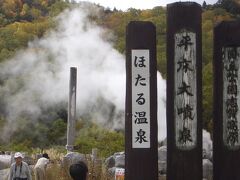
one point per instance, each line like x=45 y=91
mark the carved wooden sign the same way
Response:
x=140 y=99
x=185 y=108
x=184 y=95
x=231 y=97
x=226 y=111
x=141 y=156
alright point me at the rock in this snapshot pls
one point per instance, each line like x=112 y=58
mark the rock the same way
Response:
x=207 y=169
x=4 y=174
x=120 y=161
x=29 y=160
x=117 y=160
x=110 y=162
x=207 y=145
x=162 y=167
x=162 y=153
x=71 y=158
x=162 y=160
x=38 y=156
x=111 y=171
x=118 y=153
x=163 y=142
x=5 y=161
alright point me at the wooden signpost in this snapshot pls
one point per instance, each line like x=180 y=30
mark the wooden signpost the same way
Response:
x=141 y=161
x=226 y=134
x=184 y=96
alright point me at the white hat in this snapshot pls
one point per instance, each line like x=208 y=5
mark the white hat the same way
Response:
x=18 y=154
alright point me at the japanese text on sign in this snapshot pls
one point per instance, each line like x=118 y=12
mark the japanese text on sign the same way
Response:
x=140 y=99
x=185 y=90
x=231 y=100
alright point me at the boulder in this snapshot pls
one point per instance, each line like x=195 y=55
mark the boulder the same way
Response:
x=5 y=161
x=162 y=160
x=162 y=167
x=207 y=145
x=162 y=153
x=110 y=162
x=29 y=160
x=207 y=169
x=163 y=142
x=118 y=153
x=111 y=171
x=4 y=174
x=120 y=161
x=73 y=157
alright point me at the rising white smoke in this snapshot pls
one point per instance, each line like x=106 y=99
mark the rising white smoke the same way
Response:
x=39 y=75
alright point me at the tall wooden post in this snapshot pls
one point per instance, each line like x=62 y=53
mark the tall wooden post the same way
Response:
x=72 y=109
x=226 y=134
x=184 y=96
x=141 y=161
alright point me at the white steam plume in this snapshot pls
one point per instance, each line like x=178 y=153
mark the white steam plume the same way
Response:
x=39 y=75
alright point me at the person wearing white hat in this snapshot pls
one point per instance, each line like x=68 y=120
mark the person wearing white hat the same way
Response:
x=19 y=170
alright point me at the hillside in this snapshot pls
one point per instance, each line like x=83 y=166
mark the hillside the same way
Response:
x=24 y=21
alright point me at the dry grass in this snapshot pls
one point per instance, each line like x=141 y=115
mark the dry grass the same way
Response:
x=97 y=170
x=55 y=171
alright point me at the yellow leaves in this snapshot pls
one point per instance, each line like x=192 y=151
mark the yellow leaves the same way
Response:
x=146 y=14
x=226 y=17
x=35 y=13
x=207 y=15
x=207 y=25
x=29 y=28
x=25 y=10
x=216 y=15
x=44 y=3
x=11 y=7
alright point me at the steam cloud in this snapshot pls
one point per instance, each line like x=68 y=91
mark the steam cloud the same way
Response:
x=39 y=75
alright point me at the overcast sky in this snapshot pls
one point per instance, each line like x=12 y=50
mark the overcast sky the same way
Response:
x=139 y=4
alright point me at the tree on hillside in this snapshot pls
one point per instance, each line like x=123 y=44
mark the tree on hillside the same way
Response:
x=232 y=6
x=28 y=10
x=204 y=5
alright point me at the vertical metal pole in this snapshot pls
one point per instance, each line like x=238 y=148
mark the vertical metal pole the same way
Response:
x=141 y=160
x=226 y=116
x=184 y=96
x=72 y=109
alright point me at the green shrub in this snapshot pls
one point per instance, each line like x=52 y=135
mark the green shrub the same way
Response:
x=106 y=141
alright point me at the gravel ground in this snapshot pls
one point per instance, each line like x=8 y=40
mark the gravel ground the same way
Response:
x=3 y=174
